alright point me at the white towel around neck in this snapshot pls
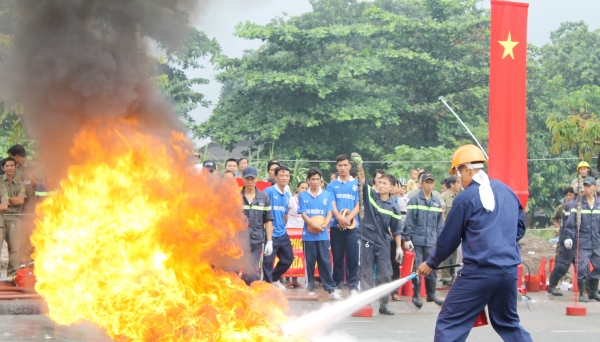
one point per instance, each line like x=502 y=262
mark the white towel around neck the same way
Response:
x=485 y=190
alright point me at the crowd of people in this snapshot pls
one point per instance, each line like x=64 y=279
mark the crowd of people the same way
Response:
x=334 y=238
x=356 y=232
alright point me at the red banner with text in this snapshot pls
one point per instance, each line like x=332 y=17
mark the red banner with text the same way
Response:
x=297 y=268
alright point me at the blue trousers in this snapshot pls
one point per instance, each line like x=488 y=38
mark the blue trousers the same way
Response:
x=318 y=251
x=344 y=244
x=585 y=256
x=565 y=258
x=282 y=248
x=471 y=292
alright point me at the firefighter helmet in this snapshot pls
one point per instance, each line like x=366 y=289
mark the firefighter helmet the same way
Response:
x=466 y=154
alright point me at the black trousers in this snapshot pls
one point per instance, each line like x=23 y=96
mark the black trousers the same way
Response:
x=374 y=263
x=565 y=258
x=251 y=274
x=344 y=245
x=282 y=248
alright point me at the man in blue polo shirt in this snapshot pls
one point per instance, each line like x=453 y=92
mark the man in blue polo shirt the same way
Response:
x=344 y=240
x=311 y=203
x=282 y=246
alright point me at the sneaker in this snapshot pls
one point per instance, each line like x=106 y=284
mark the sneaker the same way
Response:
x=279 y=285
x=335 y=296
x=338 y=291
x=353 y=293
x=311 y=293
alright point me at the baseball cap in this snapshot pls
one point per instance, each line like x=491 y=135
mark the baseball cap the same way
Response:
x=209 y=165
x=428 y=175
x=402 y=181
x=250 y=171
x=589 y=181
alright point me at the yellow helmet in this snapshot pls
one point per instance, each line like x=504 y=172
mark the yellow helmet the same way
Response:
x=583 y=164
x=466 y=154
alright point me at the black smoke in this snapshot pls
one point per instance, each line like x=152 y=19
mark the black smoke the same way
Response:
x=75 y=62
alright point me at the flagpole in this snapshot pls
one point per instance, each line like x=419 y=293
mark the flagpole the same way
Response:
x=441 y=98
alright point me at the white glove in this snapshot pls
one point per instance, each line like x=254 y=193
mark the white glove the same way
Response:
x=409 y=245
x=268 y=248
x=568 y=243
x=399 y=255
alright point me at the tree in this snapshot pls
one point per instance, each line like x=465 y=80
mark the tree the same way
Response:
x=436 y=160
x=361 y=76
x=173 y=81
x=581 y=129
x=562 y=88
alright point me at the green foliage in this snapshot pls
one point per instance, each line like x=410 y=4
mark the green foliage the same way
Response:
x=562 y=99
x=581 y=129
x=173 y=81
x=436 y=160
x=360 y=76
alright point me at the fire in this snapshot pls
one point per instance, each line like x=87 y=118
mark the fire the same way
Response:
x=138 y=244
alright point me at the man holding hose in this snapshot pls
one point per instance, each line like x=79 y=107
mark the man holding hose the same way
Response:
x=586 y=238
x=489 y=219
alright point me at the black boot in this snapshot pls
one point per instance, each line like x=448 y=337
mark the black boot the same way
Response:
x=582 y=295
x=431 y=297
x=416 y=299
x=383 y=308
x=552 y=288
x=593 y=289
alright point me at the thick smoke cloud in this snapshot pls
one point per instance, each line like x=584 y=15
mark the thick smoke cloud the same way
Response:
x=76 y=62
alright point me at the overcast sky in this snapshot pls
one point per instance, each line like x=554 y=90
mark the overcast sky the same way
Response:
x=218 y=20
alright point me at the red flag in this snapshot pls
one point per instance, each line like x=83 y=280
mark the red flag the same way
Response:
x=508 y=67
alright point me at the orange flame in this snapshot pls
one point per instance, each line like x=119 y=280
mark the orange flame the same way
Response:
x=135 y=242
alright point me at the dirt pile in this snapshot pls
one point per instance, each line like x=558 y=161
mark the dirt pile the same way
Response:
x=533 y=249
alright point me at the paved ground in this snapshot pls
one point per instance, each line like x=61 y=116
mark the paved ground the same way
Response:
x=544 y=317
x=40 y=328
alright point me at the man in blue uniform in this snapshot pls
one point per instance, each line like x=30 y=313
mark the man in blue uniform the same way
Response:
x=311 y=203
x=424 y=222
x=257 y=208
x=382 y=217
x=566 y=257
x=589 y=240
x=344 y=241
x=489 y=219
x=281 y=245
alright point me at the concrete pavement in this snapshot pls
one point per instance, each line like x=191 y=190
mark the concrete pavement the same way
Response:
x=544 y=317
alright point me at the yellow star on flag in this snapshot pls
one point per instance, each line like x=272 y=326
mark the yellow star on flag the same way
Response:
x=508 y=46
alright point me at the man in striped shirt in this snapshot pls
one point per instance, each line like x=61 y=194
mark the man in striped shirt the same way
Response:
x=566 y=257
x=424 y=222
x=257 y=208
x=381 y=217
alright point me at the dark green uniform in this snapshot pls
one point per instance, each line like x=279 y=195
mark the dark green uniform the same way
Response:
x=11 y=231
x=22 y=174
x=447 y=198
x=557 y=215
x=42 y=191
